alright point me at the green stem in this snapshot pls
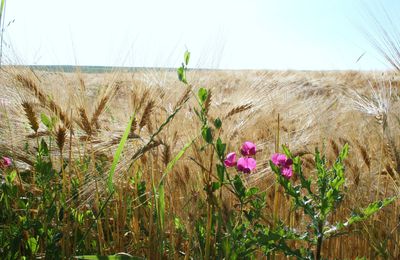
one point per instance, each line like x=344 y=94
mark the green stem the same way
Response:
x=319 y=241
x=208 y=234
x=210 y=208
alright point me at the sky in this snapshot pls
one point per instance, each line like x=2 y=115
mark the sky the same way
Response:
x=223 y=34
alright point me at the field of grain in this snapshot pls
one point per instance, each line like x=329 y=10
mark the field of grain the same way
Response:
x=302 y=109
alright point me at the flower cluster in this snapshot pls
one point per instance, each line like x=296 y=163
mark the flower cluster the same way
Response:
x=5 y=162
x=246 y=163
x=284 y=164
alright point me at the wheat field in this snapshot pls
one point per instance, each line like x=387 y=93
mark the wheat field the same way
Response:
x=91 y=110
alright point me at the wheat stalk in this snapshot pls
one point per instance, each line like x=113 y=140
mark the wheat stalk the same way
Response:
x=335 y=147
x=184 y=97
x=44 y=100
x=133 y=126
x=146 y=114
x=30 y=114
x=364 y=155
x=98 y=111
x=166 y=155
x=207 y=103
x=101 y=105
x=238 y=109
x=60 y=137
x=144 y=97
x=84 y=122
x=32 y=86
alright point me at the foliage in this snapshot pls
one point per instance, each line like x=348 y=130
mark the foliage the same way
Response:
x=41 y=208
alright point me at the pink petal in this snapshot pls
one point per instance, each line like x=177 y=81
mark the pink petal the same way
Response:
x=246 y=165
x=248 y=148
x=230 y=160
x=274 y=158
x=241 y=164
x=287 y=172
x=251 y=164
x=282 y=159
x=5 y=162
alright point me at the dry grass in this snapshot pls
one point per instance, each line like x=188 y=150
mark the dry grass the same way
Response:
x=317 y=109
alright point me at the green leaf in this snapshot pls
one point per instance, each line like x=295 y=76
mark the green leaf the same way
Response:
x=207 y=134
x=172 y=163
x=375 y=206
x=46 y=121
x=239 y=187
x=252 y=191
x=202 y=94
x=178 y=224
x=361 y=215
x=221 y=172
x=217 y=123
x=181 y=74
x=118 y=154
x=11 y=177
x=305 y=183
x=43 y=148
x=33 y=245
x=286 y=151
x=161 y=205
x=345 y=151
x=215 y=186
x=187 y=57
x=337 y=183
x=274 y=168
x=220 y=148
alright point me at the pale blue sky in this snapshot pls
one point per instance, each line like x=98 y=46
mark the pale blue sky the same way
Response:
x=280 y=34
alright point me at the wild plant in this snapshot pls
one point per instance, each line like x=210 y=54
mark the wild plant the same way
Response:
x=42 y=206
x=245 y=231
x=318 y=198
x=34 y=216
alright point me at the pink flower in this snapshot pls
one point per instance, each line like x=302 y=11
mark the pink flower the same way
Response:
x=284 y=164
x=281 y=160
x=287 y=172
x=230 y=160
x=248 y=149
x=5 y=162
x=246 y=165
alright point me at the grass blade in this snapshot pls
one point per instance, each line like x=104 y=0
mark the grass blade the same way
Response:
x=160 y=191
x=118 y=154
x=172 y=163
